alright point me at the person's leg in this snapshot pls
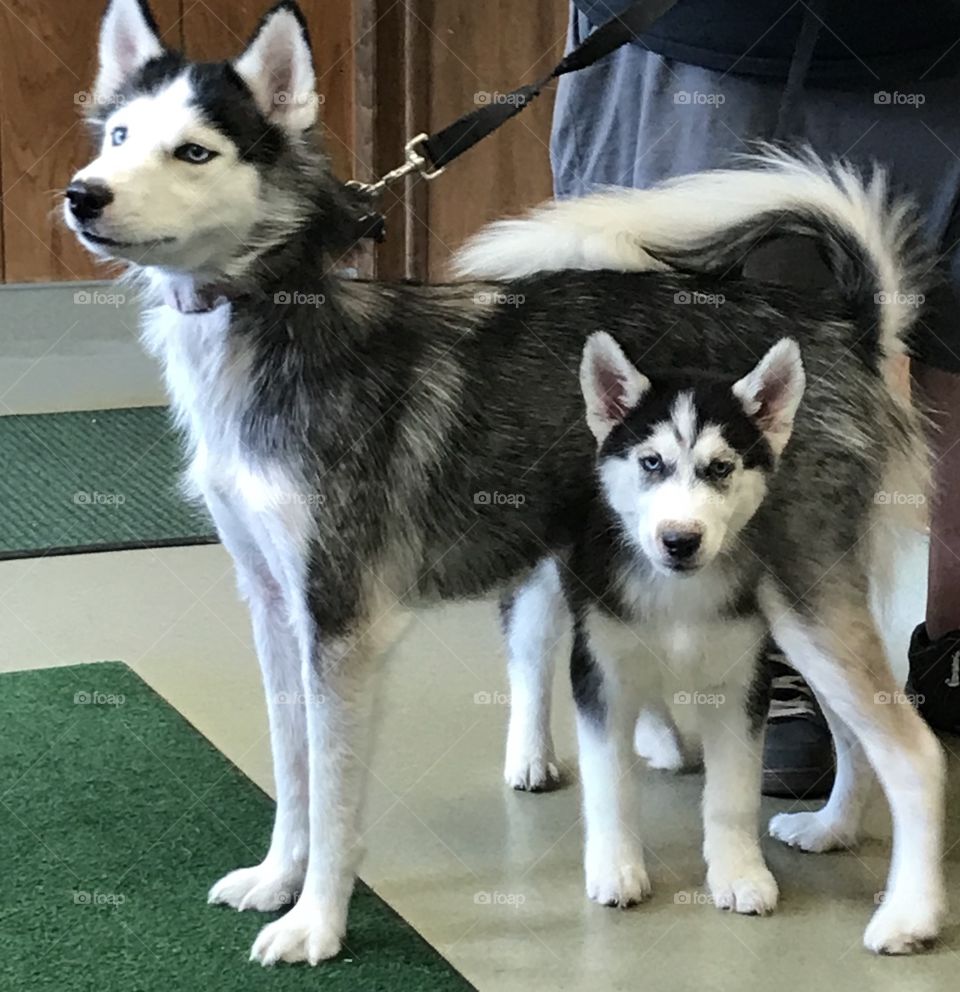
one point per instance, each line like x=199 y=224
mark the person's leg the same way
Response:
x=942 y=392
x=935 y=647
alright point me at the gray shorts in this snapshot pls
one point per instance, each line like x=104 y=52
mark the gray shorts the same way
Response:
x=635 y=118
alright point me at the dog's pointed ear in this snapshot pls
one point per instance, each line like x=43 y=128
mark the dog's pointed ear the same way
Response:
x=129 y=38
x=612 y=386
x=771 y=393
x=277 y=66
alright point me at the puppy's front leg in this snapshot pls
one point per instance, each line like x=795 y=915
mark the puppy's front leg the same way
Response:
x=737 y=876
x=607 y=705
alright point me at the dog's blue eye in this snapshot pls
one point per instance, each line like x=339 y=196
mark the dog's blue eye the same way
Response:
x=118 y=136
x=651 y=463
x=719 y=469
x=194 y=154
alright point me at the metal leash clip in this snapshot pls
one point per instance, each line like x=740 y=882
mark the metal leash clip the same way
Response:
x=416 y=161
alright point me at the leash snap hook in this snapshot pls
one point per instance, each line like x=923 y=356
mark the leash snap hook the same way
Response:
x=417 y=159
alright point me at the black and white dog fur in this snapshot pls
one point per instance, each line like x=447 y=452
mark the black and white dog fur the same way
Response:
x=340 y=434
x=705 y=533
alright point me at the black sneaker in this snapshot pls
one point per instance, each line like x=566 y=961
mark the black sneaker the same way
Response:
x=934 y=682
x=798 y=760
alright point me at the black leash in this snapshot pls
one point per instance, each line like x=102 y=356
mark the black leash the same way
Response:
x=429 y=154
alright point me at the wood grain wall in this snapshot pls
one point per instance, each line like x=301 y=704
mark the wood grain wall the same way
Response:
x=386 y=69
x=476 y=51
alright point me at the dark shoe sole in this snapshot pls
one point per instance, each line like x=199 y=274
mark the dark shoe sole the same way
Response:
x=797 y=783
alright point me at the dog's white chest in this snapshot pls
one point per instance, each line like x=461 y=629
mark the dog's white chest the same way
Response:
x=683 y=624
x=209 y=378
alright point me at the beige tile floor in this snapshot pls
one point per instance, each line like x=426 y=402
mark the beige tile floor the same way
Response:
x=491 y=878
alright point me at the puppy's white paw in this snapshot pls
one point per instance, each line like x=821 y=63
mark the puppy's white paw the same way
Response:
x=304 y=934
x=261 y=887
x=620 y=885
x=811 y=831
x=904 y=926
x=743 y=889
x=531 y=771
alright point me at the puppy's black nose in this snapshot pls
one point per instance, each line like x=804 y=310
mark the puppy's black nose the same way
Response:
x=87 y=199
x=681 y=544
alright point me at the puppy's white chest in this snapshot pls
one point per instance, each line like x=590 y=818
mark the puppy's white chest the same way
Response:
x=685 y=626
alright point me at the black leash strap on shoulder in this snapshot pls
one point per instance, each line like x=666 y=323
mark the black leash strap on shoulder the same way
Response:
x=442 y=147
x=429 y=154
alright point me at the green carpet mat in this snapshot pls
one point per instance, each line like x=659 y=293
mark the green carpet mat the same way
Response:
x=115 y=817
x=94 y=480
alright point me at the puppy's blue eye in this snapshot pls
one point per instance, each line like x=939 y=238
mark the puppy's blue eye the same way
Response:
x=651 y=463
x=193 y=153
x=719 y=469
x=118 y=136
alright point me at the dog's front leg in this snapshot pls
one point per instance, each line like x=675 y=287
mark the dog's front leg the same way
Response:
x=274 y=882
x=737 y=876
x=607 y=705
x=534 y=618
x=337 y=679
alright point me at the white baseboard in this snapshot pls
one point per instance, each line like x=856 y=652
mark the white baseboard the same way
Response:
x=72 y=346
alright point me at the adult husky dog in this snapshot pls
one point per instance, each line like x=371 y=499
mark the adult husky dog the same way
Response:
x=366 y=447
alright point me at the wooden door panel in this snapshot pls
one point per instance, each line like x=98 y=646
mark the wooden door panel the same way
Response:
x=477 y=51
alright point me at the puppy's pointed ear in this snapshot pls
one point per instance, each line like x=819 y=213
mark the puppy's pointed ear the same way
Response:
x=771 y=393
x=277 y=66
x=611 y=385
x=128 y=40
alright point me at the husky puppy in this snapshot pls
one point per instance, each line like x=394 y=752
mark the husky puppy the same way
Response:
x=695 y=484
x=364 y=447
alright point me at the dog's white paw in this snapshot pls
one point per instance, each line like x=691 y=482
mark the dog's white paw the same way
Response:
x=743 y=889
x=620 y=885
x=811 y=831
x=661 y=755
x=532 y=772
x=304 y=934
x=658 y=742
x=904 y=926
x=261 y=887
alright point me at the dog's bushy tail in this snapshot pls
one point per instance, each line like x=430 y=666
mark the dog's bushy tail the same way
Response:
x=708 y=222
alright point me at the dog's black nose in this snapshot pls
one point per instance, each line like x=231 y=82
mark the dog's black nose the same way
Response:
x=87 y=199
x=681 y=544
